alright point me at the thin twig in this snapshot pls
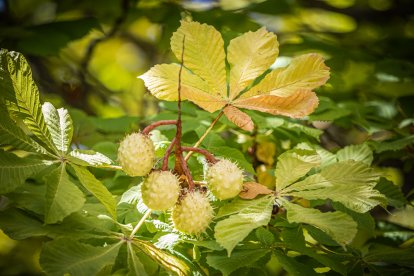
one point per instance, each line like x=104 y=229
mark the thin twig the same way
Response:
x=154 y=125
x=140 y=223
x=210 y=157
x=167 y=154
x=205 y=134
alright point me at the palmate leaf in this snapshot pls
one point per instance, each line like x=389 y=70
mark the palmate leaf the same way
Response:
x=294 y=164
x=360 y=153
x=169 y=261
x=252 y=214
x=14 y=170
x=285 y=91
x=67 y=256
x=60 y=126
x=93 y=185
x=12 y=135
x=62 y=196
x=294 y=240
x=239 y=258
x=22 y=95
x=340 y=226
x=350 y=183
x=89 y=158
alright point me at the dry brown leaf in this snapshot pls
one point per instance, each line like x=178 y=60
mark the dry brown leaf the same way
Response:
x=239 y=118
x=253 y=189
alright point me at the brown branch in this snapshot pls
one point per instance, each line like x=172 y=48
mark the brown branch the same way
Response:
x=187 y=173
x=167 y=154
x=154 y=125
x=210 y=157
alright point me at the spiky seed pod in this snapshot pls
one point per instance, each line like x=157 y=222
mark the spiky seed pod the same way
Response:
x=225 y=179
x=136 y=154
x=160 y=190
x=193 y=214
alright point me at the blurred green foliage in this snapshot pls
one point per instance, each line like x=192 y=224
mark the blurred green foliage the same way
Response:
x=86 y=55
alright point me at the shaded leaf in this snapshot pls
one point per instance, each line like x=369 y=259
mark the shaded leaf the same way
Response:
x=64 y=256
x=393 y=193
x=62 y=196
x=15 y=170
x=264 y=236
x=293 y=266
x=239 y=258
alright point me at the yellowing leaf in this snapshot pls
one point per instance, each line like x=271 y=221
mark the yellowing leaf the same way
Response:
x=249 y=56
x=239 y=118
x=265 y=152
x=162 y=81
x=203 y=53
x=305 y=72
x=297 y=105
x=284 y=91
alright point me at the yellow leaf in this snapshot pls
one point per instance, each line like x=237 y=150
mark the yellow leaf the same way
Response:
x=265 y=152
x=249 y=56
x=239 y=118
x=265 y=177
x=297 y=105
x=203 y=54
x=162 y=81
x=304 y=72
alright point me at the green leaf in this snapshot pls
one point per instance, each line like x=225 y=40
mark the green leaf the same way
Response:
x=292 y=266
x=96 y=187
x=62 y=196
x=235 y=156
x=294 y=164
x=66 y=256
x=294 y=240
x=379 y=253
x=134 y=264
x=22 y=95
x=340 y=226
x=239 y=258
x=393 y=193
x=89 y=158
x=19 y=226
x=230 y=231
x=60 y=126
x=398 y=144
x=169 y=261
x=264 y=236
x=12 y=135
x=361 y=153
x=14 y=170
x=348 y=182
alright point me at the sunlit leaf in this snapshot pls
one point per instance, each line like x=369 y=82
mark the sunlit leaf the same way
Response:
x=203 y=54
x=60 y=126
x=357 y=153
x=249 y=56
x=89 y=158
x=232 y=230
x=93 y=185
x=22 y=95
x=332 y=223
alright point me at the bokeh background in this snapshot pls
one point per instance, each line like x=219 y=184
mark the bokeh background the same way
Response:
x=86 y=56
